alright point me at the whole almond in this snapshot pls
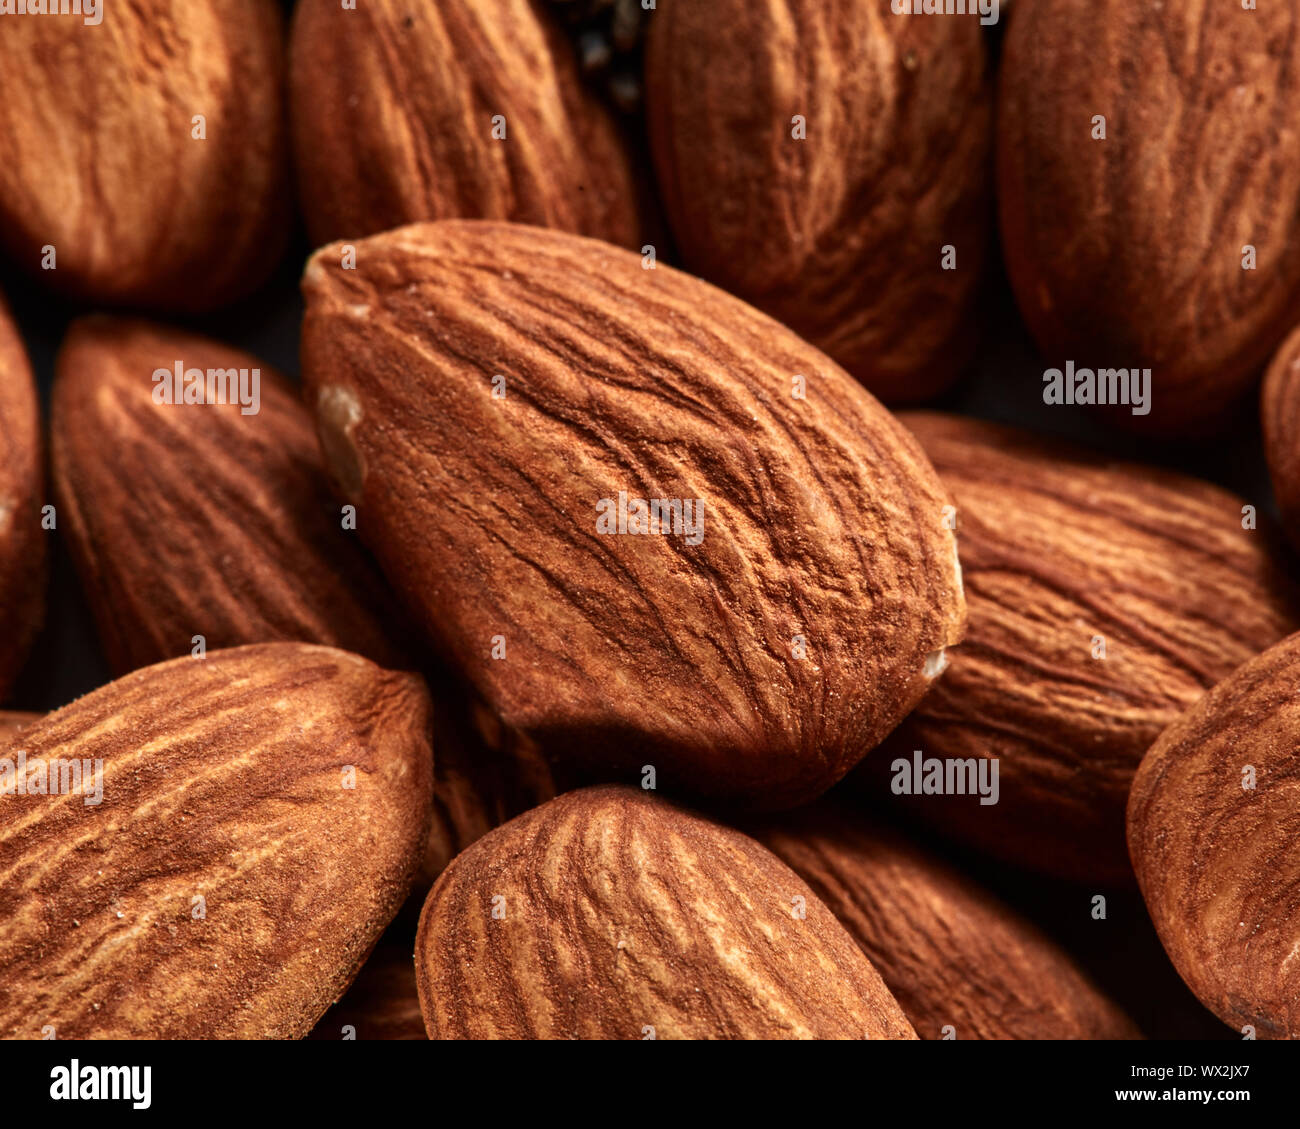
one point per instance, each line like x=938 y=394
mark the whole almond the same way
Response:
x=1105 y=598
x=470 y=108
x=171 y=193
x=22 y=486
x=1280 y=416
x=1213 y=823
x=263 y=813
x=609 y=914
x=485 y=394
x=202 y=519
x=829 y=161
x=960 y=962
x=1142 y=224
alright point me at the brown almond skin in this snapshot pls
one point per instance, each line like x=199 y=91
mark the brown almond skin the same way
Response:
x=1280 y=417
x=13 y=722
x=623 y=912
x=238 y=537
x=1058 y=546
x=418 y=145
x=953 y=954
x=840 y=235
x=223 y=778
x=823 y=520
x=1128 y=252
x=1216 y=861
x=138 y=211
x=22 y=488
x=383 y=1002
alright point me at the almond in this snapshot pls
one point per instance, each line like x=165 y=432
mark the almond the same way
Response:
x=383 y=1002
x=263 y=813
x=469 y=108
x=1168 y=242
x=610 y=914
x=172 y=192
x=1212 y=828
x=12 y=723
x=960 y=962
x=1105 y=598
x=828 y=161
x=22 y=486
x=490 y=395
x=196 y=519
x=1280 y=416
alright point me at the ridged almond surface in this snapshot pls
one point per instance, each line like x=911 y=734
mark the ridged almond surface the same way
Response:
x=840 y=234
x=13 y=722
x=1217 y=860
x=1280 y=416
x=761 y=662
x=608 y=912
x=224 y=779
x=952 y=953
x=198 y=519
x=138 y=210
x=1128 y=252
x=1064 y=553
x=22 y=487
x=398 y=110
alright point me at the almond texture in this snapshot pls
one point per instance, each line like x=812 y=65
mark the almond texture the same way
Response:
x=1213 y=823
x=383 y=1002
x=819 y=158
x=491 y=396
x=406 y=112
x=263 y=813
x=22 y=486
x=190 y=519
x=1280 y=416
x=610 y=914
x=954 y=955
x=1134 y=250
x=13 y=722
x=172 y=191
x=1104 y=600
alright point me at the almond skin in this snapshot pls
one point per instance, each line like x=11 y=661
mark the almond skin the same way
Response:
x=617 y=912
x=951 y=953
x=196 y=519
x=138 y=210
x=1061 y=547
x=13 y=722
x=223 y=779
x=1280 y=416
x=1216 y=860
x=822 y=531
x=840 y=235
x=22 y=487
x=1128 y=252
x=419 y=144
x=383 y=1002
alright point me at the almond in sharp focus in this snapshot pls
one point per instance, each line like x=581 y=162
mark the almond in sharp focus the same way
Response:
x=1149 y=219
x=405 y=112
x=172 y=191
x=1105 y=598
x=610 y=914
x=255 y=821
x=828 y=161
x=954 y=956
x=1213 y=823
x=210 y=519
x=503 y=403
x=22 y=485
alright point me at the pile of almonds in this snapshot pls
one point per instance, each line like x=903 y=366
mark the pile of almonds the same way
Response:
x=585 y=643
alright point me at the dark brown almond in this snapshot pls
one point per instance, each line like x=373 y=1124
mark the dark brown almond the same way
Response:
x=262 y=815
x=610 y=914
x=1280 y=416
x=211 y=519
x=960 y=962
